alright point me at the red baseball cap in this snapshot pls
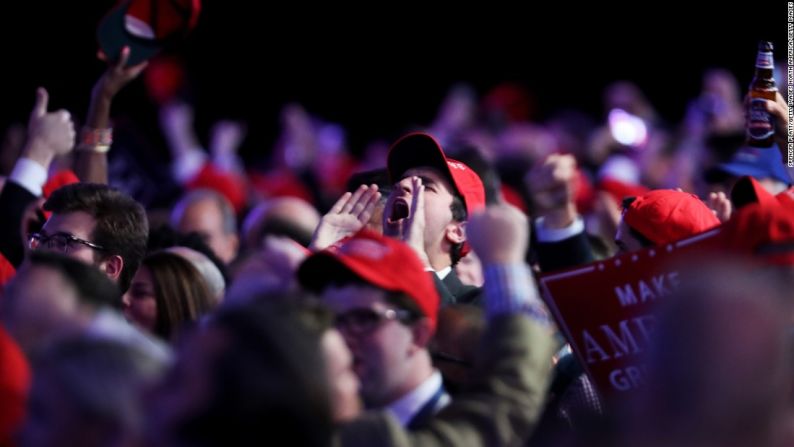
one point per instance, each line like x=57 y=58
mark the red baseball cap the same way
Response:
x=384 y=262
x=762 y=230
x=665 y=216
x=747 y=191
x=146 y=26
x=230 y=186
x=56 y=181
x=421 y=149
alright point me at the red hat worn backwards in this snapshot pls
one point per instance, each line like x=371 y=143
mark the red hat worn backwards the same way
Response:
x=384 y=262
x=665 y=216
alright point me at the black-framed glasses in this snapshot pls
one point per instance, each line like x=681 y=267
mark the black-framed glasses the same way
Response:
x=362 y=321
x=60 y=242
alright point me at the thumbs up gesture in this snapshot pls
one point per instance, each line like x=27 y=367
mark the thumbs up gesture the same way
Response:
x=49 y=133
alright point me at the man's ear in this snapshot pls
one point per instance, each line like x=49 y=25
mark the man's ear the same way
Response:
x=455 y=232
x=423 y=332
x=112 y=267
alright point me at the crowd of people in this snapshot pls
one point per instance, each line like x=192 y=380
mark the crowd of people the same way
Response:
x=322 y=299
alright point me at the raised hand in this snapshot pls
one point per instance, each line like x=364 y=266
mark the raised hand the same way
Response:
x=779 y=110
x=413 y=230
x=499 y=234
x=49 y=133
x=407 y=221
x=720 y=205
x=348 y=215
x=227 y=135
x=117 y=75
x=225 y=140
x=551 y=184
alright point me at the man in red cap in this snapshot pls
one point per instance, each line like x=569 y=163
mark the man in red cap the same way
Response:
x=660 y=217
x=386 y=307
x=432 y=198
x=763 y=230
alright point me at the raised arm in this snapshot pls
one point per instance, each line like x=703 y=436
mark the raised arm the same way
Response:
x=514 y=363
x=90 y=163
x=50 y=134
x=562 y=241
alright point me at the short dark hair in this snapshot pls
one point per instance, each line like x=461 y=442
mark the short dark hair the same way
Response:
x=459 y=214
x=265 y=382
x=121 y=224
x=94 y=288
x=100 y=378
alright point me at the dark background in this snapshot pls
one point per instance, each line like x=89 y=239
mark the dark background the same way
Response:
x=379 y=67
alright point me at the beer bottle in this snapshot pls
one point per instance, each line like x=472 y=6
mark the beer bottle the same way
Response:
x=760 y=123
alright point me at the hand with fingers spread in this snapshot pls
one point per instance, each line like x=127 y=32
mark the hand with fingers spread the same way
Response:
x=348 y=215
x=720 y=204
x=49 y=133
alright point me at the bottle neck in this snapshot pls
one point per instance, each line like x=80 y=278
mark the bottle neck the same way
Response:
x=764 y=61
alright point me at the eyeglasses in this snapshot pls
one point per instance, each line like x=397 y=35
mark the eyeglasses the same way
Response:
x=60 y=242
x=364 y=320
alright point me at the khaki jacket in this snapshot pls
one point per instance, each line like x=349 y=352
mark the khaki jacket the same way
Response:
x=501 y=409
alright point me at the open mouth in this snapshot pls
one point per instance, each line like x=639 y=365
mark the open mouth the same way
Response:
x=399 y=210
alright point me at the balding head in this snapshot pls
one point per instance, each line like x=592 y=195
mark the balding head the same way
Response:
x=212 y=216
x=282 y=216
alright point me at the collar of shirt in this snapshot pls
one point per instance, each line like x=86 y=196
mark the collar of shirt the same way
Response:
x=444 y=272
x=407 y=406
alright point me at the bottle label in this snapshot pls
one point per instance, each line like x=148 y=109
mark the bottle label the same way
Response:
x=760 y=124
x=764 y=60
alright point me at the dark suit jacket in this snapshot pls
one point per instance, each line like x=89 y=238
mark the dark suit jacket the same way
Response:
x=14 y=199
x=452 y=291
x=463 y=293
x=564 y=254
